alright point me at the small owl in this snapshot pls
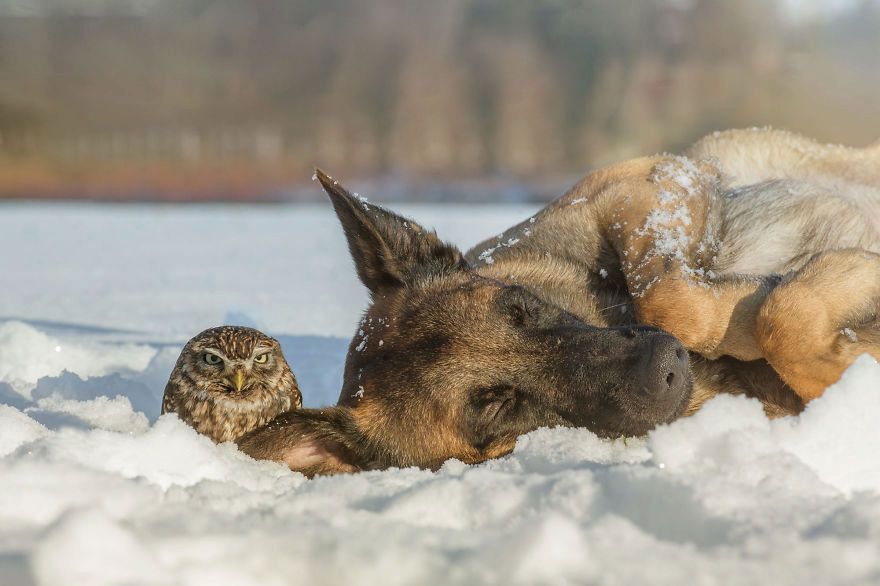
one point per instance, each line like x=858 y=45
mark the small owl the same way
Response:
x=229 y=380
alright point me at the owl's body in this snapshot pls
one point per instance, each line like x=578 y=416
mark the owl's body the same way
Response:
x=230 y=380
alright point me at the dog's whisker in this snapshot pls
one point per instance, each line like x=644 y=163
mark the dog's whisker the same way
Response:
x=624 y=304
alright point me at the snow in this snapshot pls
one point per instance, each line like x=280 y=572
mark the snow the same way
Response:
x=18 y=429
x=96 y=488
x=29 y=355
x=486 y=255
x=77 y=547
x=116 y=414
x=832 y=440
x=678 y=180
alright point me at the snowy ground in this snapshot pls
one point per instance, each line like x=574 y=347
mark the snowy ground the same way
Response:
x=96 y=302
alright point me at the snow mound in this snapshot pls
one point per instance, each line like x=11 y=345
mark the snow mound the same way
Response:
x=86 y=547
x=17 y=429
x=835 y=437
x=102 y=413
x=70 y=387
x=29 y=354
x=169 y=453
x=838 y=434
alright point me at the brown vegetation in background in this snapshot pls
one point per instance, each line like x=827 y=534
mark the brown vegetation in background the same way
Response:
x=205 y=99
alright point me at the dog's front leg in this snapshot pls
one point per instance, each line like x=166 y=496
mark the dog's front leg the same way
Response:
x=821 y=318
x=665 y=228
x=711 y=316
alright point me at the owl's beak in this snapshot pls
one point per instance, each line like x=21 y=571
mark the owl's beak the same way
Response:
x=239 y=379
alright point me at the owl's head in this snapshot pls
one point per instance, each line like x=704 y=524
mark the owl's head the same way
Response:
x=233 y=362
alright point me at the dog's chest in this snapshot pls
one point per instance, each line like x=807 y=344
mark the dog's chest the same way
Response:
x=776 y=226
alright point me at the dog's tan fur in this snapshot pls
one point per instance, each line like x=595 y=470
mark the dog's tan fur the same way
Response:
x=758 y=250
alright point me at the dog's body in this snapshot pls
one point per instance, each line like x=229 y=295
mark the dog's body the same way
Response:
x=780 y=200
x=758 y=252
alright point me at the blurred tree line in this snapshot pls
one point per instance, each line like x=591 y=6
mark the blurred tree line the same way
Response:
x=428 y=88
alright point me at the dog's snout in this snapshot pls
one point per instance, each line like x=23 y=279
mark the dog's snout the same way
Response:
x=664 y=371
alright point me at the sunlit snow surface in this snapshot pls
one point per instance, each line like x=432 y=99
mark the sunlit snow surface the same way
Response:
x=94 y=489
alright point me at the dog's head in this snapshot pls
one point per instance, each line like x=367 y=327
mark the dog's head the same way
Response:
x=450 y=364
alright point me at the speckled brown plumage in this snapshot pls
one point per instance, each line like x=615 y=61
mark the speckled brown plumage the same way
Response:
x=230 y=380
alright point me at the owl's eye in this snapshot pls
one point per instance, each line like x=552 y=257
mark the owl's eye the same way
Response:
x=262 y=358
x=212 y=358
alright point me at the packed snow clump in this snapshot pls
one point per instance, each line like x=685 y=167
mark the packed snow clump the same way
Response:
x=29 y=354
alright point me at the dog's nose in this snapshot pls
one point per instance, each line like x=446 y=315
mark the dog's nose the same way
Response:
x=664 y=372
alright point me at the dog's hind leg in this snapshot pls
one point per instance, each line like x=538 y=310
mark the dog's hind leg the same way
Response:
x=665 y=229
x=821 y=318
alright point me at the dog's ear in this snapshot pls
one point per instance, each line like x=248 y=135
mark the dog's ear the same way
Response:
x=388 y=250
x=311 y=441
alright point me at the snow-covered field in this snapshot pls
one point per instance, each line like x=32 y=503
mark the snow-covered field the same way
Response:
x=96 y=489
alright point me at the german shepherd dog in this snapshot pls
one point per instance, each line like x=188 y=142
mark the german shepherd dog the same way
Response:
x=749 y=266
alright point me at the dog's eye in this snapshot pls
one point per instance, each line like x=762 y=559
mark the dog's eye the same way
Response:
x=494 y=402
x=522 y=308
x=498 y=408
x=517 y=313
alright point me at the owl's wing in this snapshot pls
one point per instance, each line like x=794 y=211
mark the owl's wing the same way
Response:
x=168 y=404
x=293 y=392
